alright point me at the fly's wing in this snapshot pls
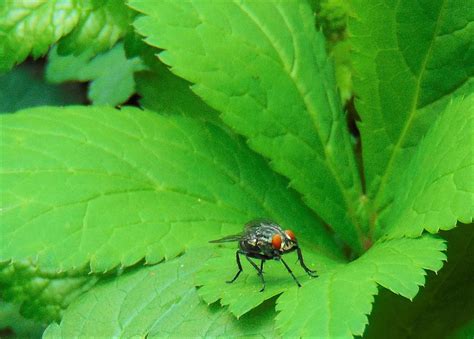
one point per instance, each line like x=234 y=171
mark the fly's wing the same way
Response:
x=259 y=222
x=229 y=238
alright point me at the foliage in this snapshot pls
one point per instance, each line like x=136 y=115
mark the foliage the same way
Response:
x=23 y=87
x=110 y=73
x=106 y=212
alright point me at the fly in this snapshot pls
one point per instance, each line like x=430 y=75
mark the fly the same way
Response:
x=265 y=240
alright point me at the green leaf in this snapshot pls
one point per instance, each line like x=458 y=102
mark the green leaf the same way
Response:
x=264 y=66
x=32 y=26
x=23 y=87
x=437 y=188
x=122 y=185
x=110 y=73
x=243 y=295
x=341 y=55
x=331 y=18
x=337 y=303
x=444 y=306
x=157 y=301
x=43 y=296
x=410 y=58
x=13 y=324
x=162 y=91
x=102 y=23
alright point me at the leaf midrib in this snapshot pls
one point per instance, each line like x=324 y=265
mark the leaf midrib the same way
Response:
x=312 y=113
x=412 y=113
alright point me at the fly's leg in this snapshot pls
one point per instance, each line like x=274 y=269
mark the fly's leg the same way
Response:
x=289 y=271
x=237 y=258
x=259 y=270
x=311 y=273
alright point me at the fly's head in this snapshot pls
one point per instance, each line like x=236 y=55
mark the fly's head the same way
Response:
x=284 y=242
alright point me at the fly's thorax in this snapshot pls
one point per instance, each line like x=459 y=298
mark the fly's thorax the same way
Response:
x=268 y=239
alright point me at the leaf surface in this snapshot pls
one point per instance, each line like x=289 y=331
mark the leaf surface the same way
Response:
x=30 y=27
x=404 y=80
x=337 y=303
x=121 y=185
x=437 y=188
x=162 y=91
x=264 y=67
x=244 y=294
x=110 y=73
x=157 y=301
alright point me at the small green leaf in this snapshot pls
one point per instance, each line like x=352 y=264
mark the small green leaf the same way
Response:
x=410 y=59
x=43 y=296
x=437 y=188
x=337 y=303
x=32 y=26
x=157 y=301
x=111 y=73
x=122 y=185
x=264 y=67
x=13 y=324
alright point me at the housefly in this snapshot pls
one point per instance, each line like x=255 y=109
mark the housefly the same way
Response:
x=265 y=240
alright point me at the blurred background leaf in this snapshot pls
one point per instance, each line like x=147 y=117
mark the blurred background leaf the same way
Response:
x=25 y=86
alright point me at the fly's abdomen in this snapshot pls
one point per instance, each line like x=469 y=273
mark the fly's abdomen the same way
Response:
x=249 y=246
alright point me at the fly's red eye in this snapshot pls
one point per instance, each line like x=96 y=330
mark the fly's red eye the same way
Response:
x=290 y=234
x=276 y=241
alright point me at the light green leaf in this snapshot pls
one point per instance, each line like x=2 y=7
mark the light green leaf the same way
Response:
x=264 y=67
x=111 y=73
x=157 y=301
x=337 y=303
x=437 y=188
x=121 y=185
x=443 y=306
x=32 y=26
x=23 y=87
x=410 y=58
x=43 y=296
x=243 y=295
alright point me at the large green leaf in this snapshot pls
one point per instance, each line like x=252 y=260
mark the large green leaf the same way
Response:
x=264 y=67
x=32 y=26
x=437 y=188
x=410 y=58
x=157 y=301
x=337 y=303
x=444 y=306
x=111 y=73
x=107 y=187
